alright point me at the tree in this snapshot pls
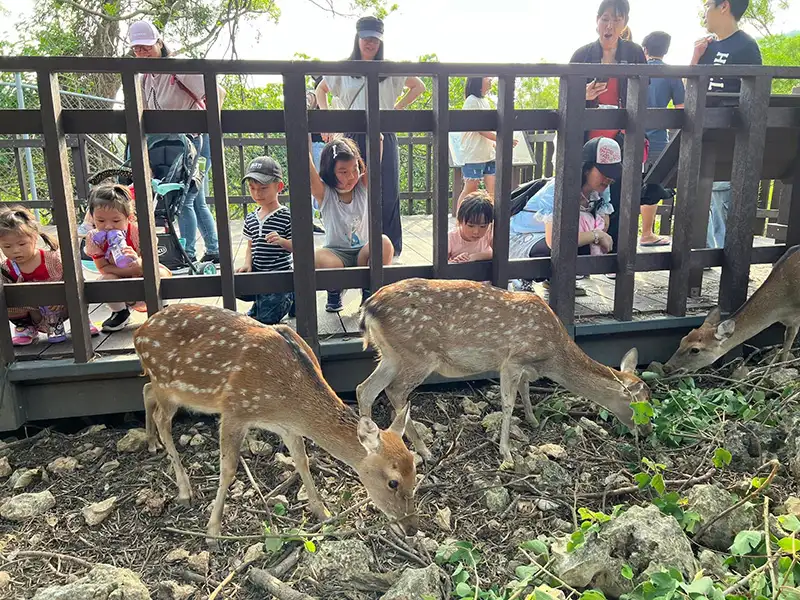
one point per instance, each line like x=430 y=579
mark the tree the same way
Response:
x=761 y=14
x=781 y=50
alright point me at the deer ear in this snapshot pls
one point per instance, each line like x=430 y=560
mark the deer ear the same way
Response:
x=629 y=361
x=402 y=420
x=369 y=435
x=713 y=317
x=725 y=330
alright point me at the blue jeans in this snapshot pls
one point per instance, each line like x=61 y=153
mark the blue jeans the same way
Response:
x=196 y=214
x=720 y=204
x=478 y=170
x=269 y=309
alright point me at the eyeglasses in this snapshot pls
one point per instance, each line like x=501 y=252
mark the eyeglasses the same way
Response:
x=142 y=48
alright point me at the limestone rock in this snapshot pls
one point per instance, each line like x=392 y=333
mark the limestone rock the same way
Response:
x=90 y=455
x=22 y=478
x=473 y=408
x=284 y=460
x=5 y=467
x=133 y=441
x=780 y=378
x=339 y=560
x=595 y=428
x=442 y=519
x=109 y=466
x=184 y=440
x=493 y=422
x=197 y=440
x=199 y=562
x=553 y=451
x=62 y=465
x=496 y=499
x=5 y=580
x=713 y=564
x=103 y=582
x=172 y=590
x=430 y=582
x=177 y=555
x=96 y=513
x=710 y=500
x=254 y=552
x=792 y=506
x=258 y=447
x=424 y=432
x=550 y=473
x=642 y=538
x=26 y=506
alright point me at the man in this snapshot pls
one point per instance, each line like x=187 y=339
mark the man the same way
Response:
x=661 y=92
x=728 y=45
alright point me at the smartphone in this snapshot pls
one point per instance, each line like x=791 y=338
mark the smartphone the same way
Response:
x=601 y=80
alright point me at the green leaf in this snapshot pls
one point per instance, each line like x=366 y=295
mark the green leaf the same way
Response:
x=702 y=586
x=535 y=546
x=757 y=482
x=790 y=545
x=310 y=546
x=722 y=458
x=279 y=509
x=649 y=375
x=790 y=523
x=642 y=480
x=592 y=595
x=642 y=412
x=745 y=542
x=657 y=484
x=627 y=572
x=690 y=520
x=463 y=590
x=273 y=544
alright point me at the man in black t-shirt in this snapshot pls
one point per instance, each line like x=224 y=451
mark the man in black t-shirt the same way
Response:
x=728 y=45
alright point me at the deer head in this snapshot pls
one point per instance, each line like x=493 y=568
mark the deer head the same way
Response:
x=704 y=345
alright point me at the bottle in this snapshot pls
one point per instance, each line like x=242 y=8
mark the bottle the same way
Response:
x=116 y=246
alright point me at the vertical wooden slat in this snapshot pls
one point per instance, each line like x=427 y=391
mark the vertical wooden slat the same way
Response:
x=458 y=184
x=441 y=174
x=21 y=179
x=410 y=174
x=633 y=155
x=548 y=165
x=571 y=108
x=60 y=185
x=214 y=123
x=297 y=153
x=6 y=347
x=428 y=201
x=243 y=186
x=748 y=160
x=699 y=206
x=691 y=151
x=791 y=204
x=374 y=177
x=503 y=183
x=140 y=165
x=538 y=157
x=80 y=168
x=760 y=224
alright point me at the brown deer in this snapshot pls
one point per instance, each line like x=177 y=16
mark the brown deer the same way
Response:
x=215 y=361
x=777 y=300
x=462 y=328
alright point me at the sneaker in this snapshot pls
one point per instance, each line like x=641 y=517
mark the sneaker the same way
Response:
x=25 y=335
x=318 y=229
x=56 y=333
x=579 y=291
x=365 y=294
x=209 y=257
x=139 y=306
x=117 y=321
x=93 y=330
x=334 y=304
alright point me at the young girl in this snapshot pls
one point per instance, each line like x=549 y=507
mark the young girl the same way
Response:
x=111 y=208
x=340 y=189
x=19 y=232
x=471 y=240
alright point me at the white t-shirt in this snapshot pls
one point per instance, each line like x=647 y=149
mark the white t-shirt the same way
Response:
x=346 y=225
x=173 y=92
x=476 y=148
x=353 y=89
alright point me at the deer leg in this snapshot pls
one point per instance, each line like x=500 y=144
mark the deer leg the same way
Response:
x=788 y=340
x=372 y=386
x=163 y=420
x=150 y=408
x=509 y=385
x=525 y=394
x=231 y=434
x=398 y=392
x=297 y=450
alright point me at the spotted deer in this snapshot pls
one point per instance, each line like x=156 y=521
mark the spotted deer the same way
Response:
x=215 y=361
x=463 y=328
x=777 y=300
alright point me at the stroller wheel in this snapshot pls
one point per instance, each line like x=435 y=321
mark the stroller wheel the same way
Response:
x=206 y=268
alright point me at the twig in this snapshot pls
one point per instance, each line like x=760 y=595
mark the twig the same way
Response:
x=231 y=538
x=188 y=575
x=550 y=574
x=775 y=465
x=225 y=582
x=403 y=551
x=49 y=555
x=267 y=581
x=772 y=575
x=751 y=574
x=635 y=488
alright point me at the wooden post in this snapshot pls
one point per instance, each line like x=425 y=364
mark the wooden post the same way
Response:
x=441 y=173
x=374 y=184
x=505 y=149
x=700 y=207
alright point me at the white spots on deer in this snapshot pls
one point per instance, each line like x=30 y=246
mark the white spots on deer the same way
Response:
x=145 y=355
x=212 y=327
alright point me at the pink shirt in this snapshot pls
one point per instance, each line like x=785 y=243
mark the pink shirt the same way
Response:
x=457 y=245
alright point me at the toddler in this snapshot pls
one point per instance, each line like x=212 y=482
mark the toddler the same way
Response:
x=471 y=240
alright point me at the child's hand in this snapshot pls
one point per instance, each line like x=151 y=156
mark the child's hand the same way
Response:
x=274 y=238
x=461 y=258
x=245 y=269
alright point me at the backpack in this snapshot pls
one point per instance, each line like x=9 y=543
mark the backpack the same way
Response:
x=521 y=195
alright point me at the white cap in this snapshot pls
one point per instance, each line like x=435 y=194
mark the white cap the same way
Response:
x=143 y=33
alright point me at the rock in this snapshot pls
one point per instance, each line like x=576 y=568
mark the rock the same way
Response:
x=172 y=590
x=551 y=474
x=153 y=502
x=5 y=468
x=496 y=499
x=22 y=478
x=430 y=544
x=199 y=562
x=197 y=440
x=595 y=428
x=63 y=464
x=545 y=505
x=26 y=506
x=96 y=513
x=284 y=460
x=133 y=441
x=493 y=421
x=430 y=583
x=5 y=580
x=553 y=451
x=90 y=455
x=103 y=582
x=92 y=429
x=442 y=518
x=780 y=378
x=792 y=506
x=642 y=538
x=259 y=447
x=177 y=555
x=184 y=440
x=473 y=408
x=709 y=500
x=713 y=564
x=424 y=432
x=616 y=480
x=236 y=490
x=748 y=443
x=109 y=466
x=561 y=525
x=255 y=552
x=302 y=494
x=339 y=560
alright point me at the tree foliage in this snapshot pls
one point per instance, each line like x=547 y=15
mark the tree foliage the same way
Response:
x=761 y=14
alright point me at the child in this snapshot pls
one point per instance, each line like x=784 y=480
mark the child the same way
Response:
x=269 y=238
x=19 y=232
x=471 y=240
x=589 y=221
x=111 y=209
x=340 y=188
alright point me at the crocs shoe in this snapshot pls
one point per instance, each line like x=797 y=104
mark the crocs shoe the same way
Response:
x=25 y=335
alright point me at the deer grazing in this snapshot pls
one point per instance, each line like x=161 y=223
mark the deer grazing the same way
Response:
x=777 y=300
x=215 y=361
x=462 y=328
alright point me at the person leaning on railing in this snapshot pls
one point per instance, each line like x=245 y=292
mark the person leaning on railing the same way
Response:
x=183 y=91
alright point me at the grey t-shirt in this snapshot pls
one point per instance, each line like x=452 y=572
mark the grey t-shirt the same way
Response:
x=346 y=225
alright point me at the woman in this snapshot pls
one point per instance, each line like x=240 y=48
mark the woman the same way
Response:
x=179 y=92
x=532 y=228
x=611 y=48
x=368 y=45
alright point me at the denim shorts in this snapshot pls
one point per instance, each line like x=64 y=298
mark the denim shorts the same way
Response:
x=348 y=256
x=269 y=309
x=478 y=170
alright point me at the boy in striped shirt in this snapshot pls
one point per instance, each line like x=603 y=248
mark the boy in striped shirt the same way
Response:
x=269 y=238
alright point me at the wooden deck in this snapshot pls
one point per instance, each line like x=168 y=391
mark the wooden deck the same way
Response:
x=649 y=301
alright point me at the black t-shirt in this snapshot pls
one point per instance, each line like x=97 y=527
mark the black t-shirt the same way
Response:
x=738 y=49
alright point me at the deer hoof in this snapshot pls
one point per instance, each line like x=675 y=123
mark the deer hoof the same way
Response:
x=154 y=447
x=184 y=500
x=320 y=512
x=212 y=544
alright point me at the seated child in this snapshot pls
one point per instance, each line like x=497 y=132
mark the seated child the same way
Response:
x=590 y=221
x=19 y=233
x=340 y=188
x=269 y=238
x=111 y=209
x=471 y=240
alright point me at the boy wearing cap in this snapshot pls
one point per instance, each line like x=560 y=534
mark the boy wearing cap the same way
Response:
x=269 y=238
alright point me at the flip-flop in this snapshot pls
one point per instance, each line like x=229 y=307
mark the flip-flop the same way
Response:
x=659 y=242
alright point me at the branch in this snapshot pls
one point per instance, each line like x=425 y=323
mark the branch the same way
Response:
x=104 y=16
x=268 y=582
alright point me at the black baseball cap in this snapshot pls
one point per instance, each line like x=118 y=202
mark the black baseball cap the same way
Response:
x=370 y=27
x=606 y=155
x=264 y=170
